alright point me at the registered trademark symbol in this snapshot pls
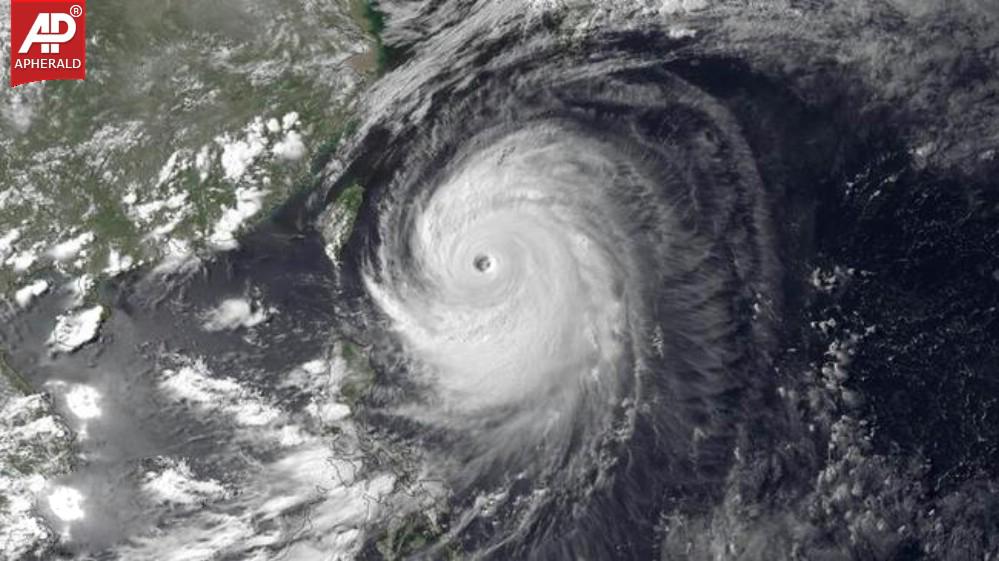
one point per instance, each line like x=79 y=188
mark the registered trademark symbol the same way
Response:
x=75 y=10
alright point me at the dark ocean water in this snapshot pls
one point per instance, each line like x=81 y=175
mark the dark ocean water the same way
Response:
x=155 y=324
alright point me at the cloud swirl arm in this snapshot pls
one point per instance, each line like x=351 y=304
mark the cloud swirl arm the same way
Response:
x=558 y=264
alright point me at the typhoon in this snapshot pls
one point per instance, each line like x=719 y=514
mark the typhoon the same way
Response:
x=587 y=281
x=554 y=279
x=567 y=273
x=586 y=256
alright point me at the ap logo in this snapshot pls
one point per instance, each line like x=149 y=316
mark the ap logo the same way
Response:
x=48 y=40
x=45 y=31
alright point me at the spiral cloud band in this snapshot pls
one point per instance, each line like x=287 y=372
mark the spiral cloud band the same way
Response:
x=558 y=267
x=518 y=278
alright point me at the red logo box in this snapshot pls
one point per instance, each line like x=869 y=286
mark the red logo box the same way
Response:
x=48 y=40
